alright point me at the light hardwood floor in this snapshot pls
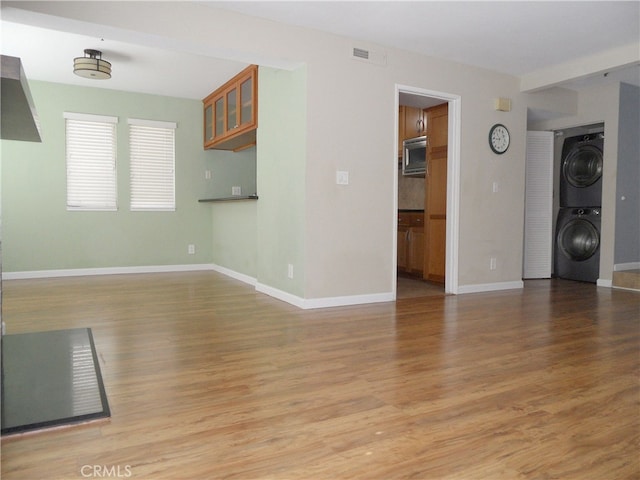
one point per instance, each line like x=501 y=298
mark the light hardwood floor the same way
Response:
x=208 y=379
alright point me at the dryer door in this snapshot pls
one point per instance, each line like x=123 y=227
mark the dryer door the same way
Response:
x=578 y=239
x=583 y=166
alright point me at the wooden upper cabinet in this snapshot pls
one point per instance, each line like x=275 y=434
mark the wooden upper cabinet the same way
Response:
x=231 y=113
x=411 y=124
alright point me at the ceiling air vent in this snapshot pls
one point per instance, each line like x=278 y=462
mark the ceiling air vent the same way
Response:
x=361 y=53
x=369 y=56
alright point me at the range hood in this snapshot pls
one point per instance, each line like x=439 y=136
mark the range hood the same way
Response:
x=19 y=120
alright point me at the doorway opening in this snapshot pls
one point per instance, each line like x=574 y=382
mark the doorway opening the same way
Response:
x=426 y=201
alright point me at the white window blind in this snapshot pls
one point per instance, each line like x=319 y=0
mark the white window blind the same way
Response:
x=152 y=152
x=91 y=161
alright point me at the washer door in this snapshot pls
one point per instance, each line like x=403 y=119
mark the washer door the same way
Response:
x=583 y=166
x=578 y=239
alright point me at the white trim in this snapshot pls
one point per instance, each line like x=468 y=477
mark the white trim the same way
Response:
x=280 y=295
x=152 y=123
x=305 y=303
x=603 y=282
x=490 y=287
x=89 y=117
x=81 y=272
x=233 y=274
x=453 y=185
x=394 y=176
x=621 y=267
x=326 y=302
x=453 y=197
x=625 y=288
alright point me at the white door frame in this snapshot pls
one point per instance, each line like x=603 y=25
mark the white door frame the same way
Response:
x=453 y=185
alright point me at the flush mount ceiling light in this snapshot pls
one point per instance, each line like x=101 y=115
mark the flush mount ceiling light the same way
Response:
x=92 y=65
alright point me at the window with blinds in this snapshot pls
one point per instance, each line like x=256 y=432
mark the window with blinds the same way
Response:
x=152 y=157
x=91 y=161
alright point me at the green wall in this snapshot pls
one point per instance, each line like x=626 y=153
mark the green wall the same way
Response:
x=281 y=167
x=38 y=233
x=253 y=238
x=261 y=238
x=234 y=236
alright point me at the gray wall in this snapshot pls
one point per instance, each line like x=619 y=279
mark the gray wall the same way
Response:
x=627 y=243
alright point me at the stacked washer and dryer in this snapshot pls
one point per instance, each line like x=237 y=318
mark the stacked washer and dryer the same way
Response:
x=577 y=252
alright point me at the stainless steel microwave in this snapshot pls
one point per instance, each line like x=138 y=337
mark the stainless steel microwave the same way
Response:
x=414 y=156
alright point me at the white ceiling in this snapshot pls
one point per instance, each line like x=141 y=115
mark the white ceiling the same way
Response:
x=513 y=37
x=48 y=55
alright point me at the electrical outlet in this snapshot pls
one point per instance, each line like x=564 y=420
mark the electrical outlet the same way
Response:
x=493 y=263
x=290 y=270
x=207 y=174
x=236 y=191
x=191 y=249
x=342 y=178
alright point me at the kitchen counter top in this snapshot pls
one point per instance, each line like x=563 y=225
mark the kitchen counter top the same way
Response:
x=233 y=198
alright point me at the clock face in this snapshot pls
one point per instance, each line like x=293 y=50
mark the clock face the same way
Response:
x=499 y=138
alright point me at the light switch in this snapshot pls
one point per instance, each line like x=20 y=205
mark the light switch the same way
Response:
x=342 y=178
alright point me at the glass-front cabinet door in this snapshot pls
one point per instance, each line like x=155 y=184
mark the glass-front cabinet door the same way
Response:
x=230 y=112
x=219 y=118
x=232 y=109
x=246 y=101
x=208 y=123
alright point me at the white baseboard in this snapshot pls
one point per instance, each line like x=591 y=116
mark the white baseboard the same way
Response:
x=305 y=303
x=233 y=274
x=325 y=302
x=81 y=272
x=621 y=267
x=490 y=287
x=603 y=282
x=280 y=295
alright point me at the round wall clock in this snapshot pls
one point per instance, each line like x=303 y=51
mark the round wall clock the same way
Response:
x=499 y=138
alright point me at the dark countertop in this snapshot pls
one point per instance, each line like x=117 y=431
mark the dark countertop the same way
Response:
x=233 y=198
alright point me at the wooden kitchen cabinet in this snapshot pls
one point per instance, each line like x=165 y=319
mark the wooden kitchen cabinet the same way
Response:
x=411 y=238
x=411 y=124
x=231 y=113
x=436 y=193
x=403 y=247
x=416 y=250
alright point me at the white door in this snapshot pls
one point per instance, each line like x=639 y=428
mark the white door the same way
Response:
x=538 y=206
